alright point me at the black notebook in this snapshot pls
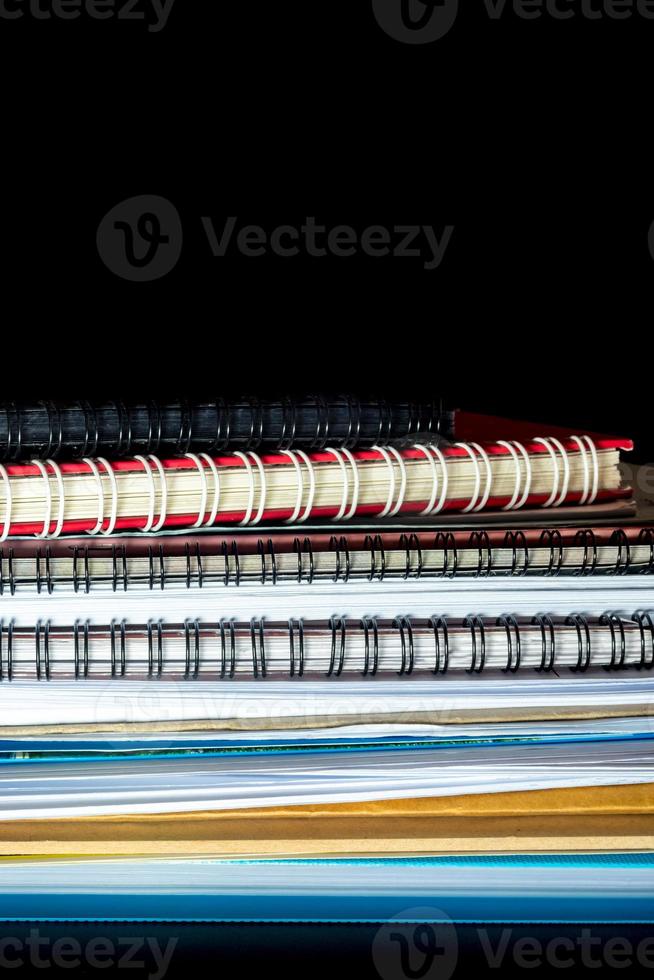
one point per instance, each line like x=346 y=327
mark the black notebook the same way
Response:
x=48 y=430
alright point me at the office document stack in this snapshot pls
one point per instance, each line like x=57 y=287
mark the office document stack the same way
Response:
x=328 y=658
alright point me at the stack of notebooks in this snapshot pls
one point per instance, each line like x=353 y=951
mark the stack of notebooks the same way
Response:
x=321 y=658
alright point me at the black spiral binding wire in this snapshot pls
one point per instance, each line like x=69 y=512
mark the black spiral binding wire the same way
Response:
x=154 y=429
x=385 y=424
x=548 y=642
x=414 y=564
x=197 y=561
x=438 y=624
x=289 y=424
x=52 y=448
x=301 y=549
x=403 y=624
x=553 y=540
x=512 y=630
x=583 y=641
x=10 y=646
x=87 y=570
x=342 y=551
x=192 y=647
x=194 y=633
x=623 y=561
x=91 y=433
x=322 y=435
x=411 y=546
x=516 y=541
x=481 y=541
x=586 y=538
x=82 y=665
x=258 y=656
x=446 y=542
x=185 y=437
x=292 y=626
x=118 y=665
x=377 y=552
x=159 y=663
x=263 y=552
x=646 y=538
x=614 y=623
x=338 y=627
x=42 y=653
x=474 y=623
x=48 y=571
x=367 y=624
x=645 y=622
x=229 y=625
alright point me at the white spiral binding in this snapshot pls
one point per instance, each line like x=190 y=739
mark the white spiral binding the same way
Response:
x=164 y=493
x=518 y=474
x=356 y=484
x=593 y=452
x=514 y=503
x=312 y=485
x=100 y=490
x=391 y=480
x=153 y=491
x=300 y=484
x=248 y=519
x=48 y=496
x=339 y=455
x=248 y=467
x=590 y=489
x=489 y=476
x=556 y=473
x=113 y=514
x=264 y=487
x=62 y=498
x=433 y=507
x=47 y=517
x=472 y=448
x=8 y=502
x=216 y=489
x=434 y=477
x=204 y=493
x=551 y=501
x=403 y=481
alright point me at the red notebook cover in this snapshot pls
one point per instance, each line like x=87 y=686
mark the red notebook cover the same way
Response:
x=471 y=428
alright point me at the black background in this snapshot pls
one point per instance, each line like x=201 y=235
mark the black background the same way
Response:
x=532 y=138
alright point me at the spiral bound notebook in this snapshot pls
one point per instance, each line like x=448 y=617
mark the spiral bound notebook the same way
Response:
x=312 y=556
x=145 y=493
x=228 y=649
x=47 y=430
